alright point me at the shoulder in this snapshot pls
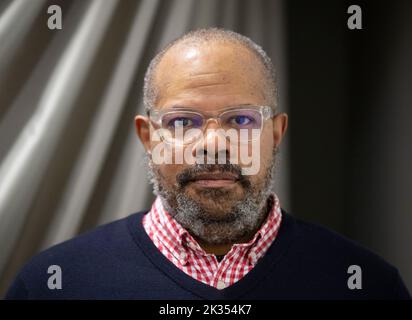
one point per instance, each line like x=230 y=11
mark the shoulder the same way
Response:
x=329 y=255
x=90 y=254
x=320 y=240
x=100 y=240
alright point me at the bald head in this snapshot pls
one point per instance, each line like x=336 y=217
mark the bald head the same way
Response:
x=207 y=62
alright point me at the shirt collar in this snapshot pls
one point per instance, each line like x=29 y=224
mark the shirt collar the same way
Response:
x=179 y=240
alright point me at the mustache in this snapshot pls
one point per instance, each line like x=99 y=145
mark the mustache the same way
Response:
x=190 y=174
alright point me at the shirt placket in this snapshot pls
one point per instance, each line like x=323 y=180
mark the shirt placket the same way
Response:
x=220 y=280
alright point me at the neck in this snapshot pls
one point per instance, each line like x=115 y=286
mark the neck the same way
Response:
x=222 y=249
x=216 y=249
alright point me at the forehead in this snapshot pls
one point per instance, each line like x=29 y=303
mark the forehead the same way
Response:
x=215 y=73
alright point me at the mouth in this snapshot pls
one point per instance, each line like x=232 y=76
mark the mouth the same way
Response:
x=215 y=180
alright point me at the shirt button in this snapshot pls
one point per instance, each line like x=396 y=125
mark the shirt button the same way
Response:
x=253 y=257
x=221 y=285
x=183 y=255
x=192 y=246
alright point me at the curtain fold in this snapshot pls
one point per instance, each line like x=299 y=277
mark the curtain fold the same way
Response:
x=28 y=158
x=12 y=33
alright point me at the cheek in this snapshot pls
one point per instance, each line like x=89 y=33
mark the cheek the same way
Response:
x=168 y=173
x=265 y=154
x=267 y=143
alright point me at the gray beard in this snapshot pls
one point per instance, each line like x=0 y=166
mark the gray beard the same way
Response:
x=240 y=222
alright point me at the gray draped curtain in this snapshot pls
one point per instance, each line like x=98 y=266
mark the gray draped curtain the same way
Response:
x=70 y=159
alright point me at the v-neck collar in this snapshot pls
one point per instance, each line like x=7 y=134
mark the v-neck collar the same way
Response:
x=266 y=264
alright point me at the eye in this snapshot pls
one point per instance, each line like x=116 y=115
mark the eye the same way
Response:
x=241 y=120
x=180 y=122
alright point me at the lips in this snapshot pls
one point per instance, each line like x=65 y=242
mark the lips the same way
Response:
x=215 y=180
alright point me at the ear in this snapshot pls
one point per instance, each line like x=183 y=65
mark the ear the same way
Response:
x=280 y=124
x=142 y=125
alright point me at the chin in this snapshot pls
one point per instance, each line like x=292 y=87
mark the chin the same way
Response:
x=206 y=195
x=216 y=208
x=218 y=215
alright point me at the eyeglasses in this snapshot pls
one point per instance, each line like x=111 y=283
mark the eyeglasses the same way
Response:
x=185 y=125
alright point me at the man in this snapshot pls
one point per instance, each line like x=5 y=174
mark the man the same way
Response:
x=216 y=229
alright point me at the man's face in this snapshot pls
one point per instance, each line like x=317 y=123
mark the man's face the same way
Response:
x=209 y=199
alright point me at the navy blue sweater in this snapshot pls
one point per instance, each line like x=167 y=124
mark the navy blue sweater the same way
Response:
x=119 y=261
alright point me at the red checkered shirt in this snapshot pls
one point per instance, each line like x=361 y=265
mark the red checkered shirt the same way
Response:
x=184 y=252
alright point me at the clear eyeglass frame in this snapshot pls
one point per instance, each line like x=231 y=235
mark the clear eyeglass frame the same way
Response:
x=156 y=117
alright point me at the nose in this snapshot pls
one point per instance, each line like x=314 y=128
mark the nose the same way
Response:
x=213 y=147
